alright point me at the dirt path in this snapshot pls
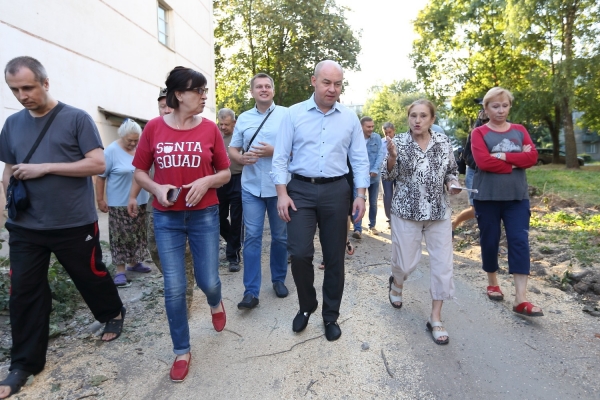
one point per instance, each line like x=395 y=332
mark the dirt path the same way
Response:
x=383 y=352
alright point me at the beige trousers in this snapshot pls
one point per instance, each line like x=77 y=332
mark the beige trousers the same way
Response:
x=406 y=252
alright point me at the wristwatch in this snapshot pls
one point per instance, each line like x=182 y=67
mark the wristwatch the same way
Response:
x=362 y=196
x=498 y=156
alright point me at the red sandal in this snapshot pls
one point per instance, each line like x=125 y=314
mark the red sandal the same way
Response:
x=491 y=290
x=525 y=308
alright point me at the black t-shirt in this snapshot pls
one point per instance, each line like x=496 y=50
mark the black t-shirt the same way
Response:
x=56 y=201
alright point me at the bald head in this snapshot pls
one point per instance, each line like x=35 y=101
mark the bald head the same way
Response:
x=328 y=64
x=328 y=81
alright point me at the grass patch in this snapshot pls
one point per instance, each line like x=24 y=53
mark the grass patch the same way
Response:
x=580 y=230
x=579 y=185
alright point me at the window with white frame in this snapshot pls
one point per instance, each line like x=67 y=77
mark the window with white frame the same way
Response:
x=591 y=148
x=163 y=23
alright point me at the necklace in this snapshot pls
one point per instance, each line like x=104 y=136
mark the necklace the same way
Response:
x=193 y=120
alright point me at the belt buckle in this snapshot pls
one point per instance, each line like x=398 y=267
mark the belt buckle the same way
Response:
x=312 y=180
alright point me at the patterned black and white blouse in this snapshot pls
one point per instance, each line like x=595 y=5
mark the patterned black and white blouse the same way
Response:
x=420 y=194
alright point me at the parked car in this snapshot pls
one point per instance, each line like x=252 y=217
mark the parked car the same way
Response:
x=545 y=157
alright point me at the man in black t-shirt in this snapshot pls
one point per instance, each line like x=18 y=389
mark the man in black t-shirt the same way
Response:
x=61 y=218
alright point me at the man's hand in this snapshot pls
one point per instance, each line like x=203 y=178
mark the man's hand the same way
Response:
x=102 y=205
x=264 y=150
x=284 y=203
x=29 y=171
x=358 y=207
x=132 y=207
x=198 y=189
x=249 y=158
x=373 y=174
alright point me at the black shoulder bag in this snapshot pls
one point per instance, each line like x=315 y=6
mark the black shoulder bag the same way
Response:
x=16 y=193
x=258 y=130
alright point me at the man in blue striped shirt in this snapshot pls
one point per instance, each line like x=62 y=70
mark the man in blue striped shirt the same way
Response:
x=316 y=138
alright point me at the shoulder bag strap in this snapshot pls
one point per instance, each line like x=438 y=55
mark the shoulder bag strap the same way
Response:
x=258 y=130
x=55 y=111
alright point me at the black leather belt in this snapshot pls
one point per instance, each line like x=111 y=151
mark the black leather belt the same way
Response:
x=316 y=180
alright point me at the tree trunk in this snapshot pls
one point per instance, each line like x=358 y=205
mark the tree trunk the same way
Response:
x=555 y=133
x=567 y=80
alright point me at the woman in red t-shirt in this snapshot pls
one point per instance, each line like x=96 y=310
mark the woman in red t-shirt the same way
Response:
x=190 y=162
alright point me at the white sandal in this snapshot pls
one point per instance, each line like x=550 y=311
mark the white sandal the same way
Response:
x=437 y=333
x=394 y=299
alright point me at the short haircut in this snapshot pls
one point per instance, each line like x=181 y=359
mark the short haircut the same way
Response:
x=388 y=125
x=497 y=92
x=14 y=65
x=226 y=113
x=261 y=75
x=424 y=102
x=365 y=119
x=129 y=126
x=181 y=79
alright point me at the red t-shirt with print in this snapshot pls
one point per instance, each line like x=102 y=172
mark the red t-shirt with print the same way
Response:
x=180 y=157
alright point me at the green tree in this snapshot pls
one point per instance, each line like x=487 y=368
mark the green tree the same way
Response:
x=559 y=31
x=388 y=103
x=283 y=38
x=535 y=48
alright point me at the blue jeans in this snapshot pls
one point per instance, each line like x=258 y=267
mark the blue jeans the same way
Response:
x=201 y=229
x=388 y=193
x=469 y=182
x=515 y=216
x=372 y=195
x=254 y=221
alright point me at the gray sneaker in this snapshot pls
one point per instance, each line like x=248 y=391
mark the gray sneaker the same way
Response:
x=357 y=235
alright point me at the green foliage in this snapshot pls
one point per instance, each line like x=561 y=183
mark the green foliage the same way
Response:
x=535 y=48
x=388 y=104
x=581 y=186
x=283 y=38
x=580 y=230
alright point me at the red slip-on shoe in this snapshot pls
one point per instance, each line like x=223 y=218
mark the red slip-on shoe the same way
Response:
x=180 y=369
x=219 y=319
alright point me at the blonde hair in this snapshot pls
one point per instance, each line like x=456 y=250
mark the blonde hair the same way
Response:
x=497 y=92
x=424 y=102
x=129 y=126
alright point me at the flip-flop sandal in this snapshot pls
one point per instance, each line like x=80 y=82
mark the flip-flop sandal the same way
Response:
x=121 y=280
x=15 y=380
x=322 y=265
x=394 y=299
x=349 y=248
x=525 y=308
x=140 y=267
x=114 y=326
x=495 y=289
x=437 y=334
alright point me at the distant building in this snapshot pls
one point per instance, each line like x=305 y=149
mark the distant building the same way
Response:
x=108 y=57
x=357 y=108
x=587 y=142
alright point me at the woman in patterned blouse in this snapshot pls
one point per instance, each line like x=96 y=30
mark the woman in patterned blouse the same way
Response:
x=423 y=165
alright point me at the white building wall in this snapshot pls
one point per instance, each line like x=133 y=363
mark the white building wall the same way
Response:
x=106 y=53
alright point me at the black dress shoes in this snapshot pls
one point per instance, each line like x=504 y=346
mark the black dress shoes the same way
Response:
x=332 y=331
x=301 y=320
x=280 y=289
x=234 y=266
x=248 y=302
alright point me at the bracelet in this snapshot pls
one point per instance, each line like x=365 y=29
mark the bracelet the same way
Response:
x=362 y=196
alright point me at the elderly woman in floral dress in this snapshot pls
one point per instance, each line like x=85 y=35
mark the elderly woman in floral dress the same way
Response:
x=127 y=234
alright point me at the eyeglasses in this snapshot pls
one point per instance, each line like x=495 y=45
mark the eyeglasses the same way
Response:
x=198 y=90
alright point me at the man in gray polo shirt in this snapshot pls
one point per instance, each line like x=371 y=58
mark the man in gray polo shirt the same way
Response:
x=61 y=218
